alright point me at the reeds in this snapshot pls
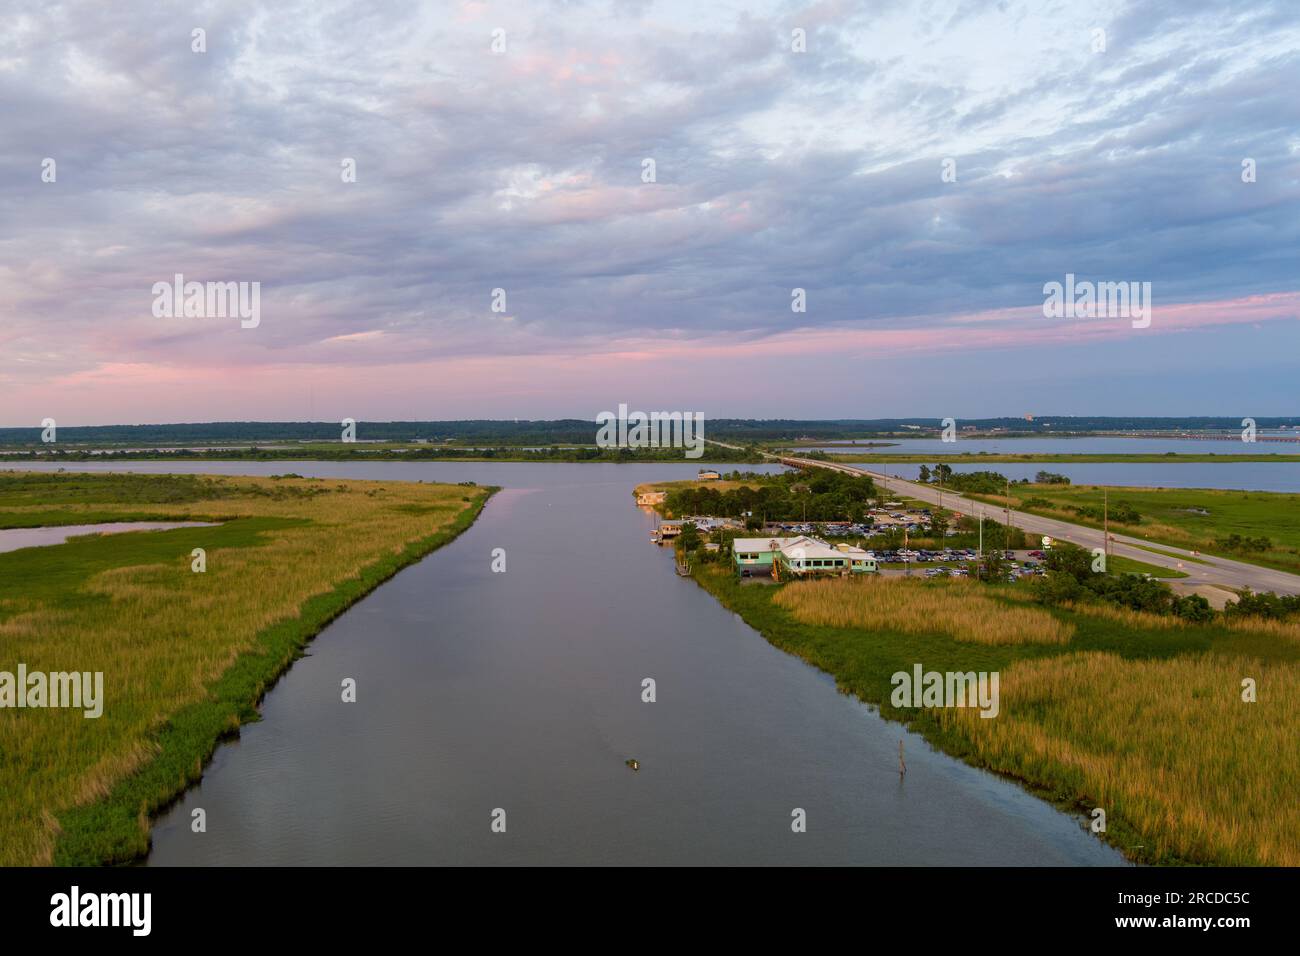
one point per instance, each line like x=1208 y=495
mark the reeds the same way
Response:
x=1168 y=748
x=962 y=610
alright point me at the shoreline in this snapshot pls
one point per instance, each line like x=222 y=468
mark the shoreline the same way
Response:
x=1120 y=835
x=121 y=822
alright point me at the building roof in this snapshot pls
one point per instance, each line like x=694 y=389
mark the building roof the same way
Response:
x=811 y=548
x=764 y=544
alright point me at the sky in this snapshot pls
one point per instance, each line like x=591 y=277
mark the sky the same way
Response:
x=920 y=170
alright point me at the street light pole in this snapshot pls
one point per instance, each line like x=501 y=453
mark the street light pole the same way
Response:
x=1105 y=523
x=1006 y=537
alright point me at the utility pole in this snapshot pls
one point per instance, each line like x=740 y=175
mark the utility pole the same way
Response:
x=1105 y=523
x=1006 y=536
x=981 y=534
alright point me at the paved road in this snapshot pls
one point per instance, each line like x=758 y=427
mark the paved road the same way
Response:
x=1201 y=570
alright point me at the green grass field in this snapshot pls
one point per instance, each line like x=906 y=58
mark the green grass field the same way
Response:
x=1122 y=565
x=1139 y=715
x=1191 y=518
x=185 y=656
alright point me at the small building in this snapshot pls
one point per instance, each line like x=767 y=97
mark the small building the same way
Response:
x=799 y=556
x=651 y=498
x=860 y=561
x=706 y=523
x=707 y=476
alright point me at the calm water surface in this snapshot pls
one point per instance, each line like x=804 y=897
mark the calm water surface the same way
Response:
x=1247 y=475
x=1076 y=446
x=13 y=539
x=522 y=691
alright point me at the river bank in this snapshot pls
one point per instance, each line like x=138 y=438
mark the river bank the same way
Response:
x=187 y=652
x=1137 y=715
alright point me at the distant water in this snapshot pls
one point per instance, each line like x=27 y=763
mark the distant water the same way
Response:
x=12 y=539
x=1073 y=446
x=1249 y=476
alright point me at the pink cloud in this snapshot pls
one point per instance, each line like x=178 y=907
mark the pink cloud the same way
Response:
x=469 y=386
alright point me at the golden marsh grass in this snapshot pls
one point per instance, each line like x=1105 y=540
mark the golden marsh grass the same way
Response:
x=961 y=610
x=1166 y=746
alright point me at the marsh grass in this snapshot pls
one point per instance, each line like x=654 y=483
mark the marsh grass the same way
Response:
x=1167 y=747
x=185 y=656
x=1143 y=719
x=1139 y=620
x=1288 y=631
x=962 y=610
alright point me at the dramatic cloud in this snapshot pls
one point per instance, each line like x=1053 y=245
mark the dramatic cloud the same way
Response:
x=522 y=170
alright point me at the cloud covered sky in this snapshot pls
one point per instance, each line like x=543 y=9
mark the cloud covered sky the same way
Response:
x=522 y=170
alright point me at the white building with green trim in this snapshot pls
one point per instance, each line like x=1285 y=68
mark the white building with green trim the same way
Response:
x=801 y=556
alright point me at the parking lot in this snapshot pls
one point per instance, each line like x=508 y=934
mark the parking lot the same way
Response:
x=956 y=562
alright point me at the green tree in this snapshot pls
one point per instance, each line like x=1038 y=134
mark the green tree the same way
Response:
x=1193 y=608
x=993 y=566
x=689 y=540
x=1070 y=559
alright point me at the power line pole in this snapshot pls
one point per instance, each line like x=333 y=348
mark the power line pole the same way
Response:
x=1006 y=534
x=1105 y=523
